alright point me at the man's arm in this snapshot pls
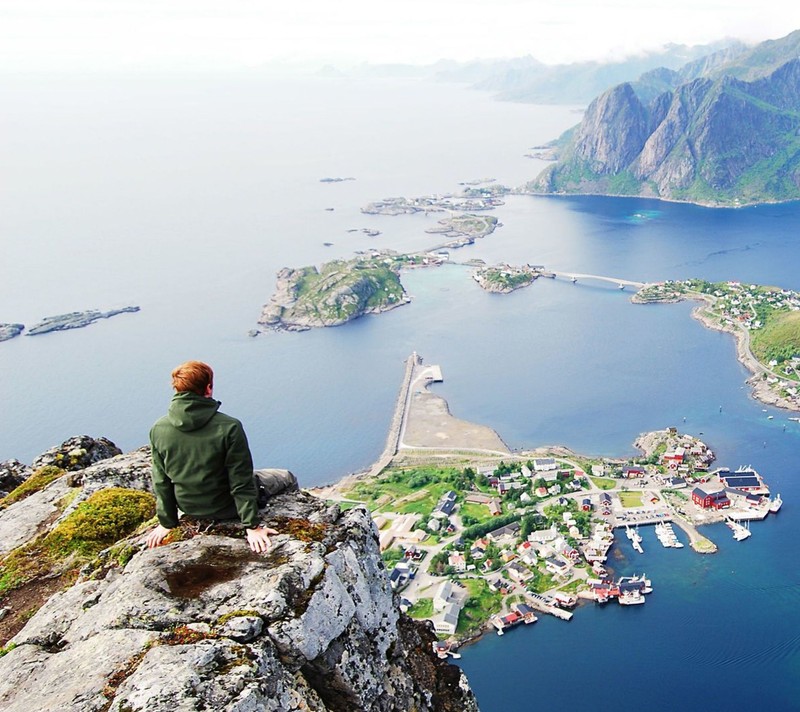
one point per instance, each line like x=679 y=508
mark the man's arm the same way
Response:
x=239 y=465
x=166 y=504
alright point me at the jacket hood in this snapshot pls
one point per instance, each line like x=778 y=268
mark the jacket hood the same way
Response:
x=189 y=411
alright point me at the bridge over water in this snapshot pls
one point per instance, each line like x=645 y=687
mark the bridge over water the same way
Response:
x=621 y=283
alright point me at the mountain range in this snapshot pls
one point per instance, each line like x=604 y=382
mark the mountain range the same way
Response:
x=721 y=130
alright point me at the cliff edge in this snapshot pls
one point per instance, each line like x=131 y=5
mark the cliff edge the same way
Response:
x=203 y=623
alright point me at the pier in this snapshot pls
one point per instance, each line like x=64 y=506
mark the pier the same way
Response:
x=394 y=436
x=540 y=603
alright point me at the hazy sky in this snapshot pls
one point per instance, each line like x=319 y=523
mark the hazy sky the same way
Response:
x=108 y=34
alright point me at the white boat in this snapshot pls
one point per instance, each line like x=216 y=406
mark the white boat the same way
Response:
x=740 y=531
x=775 y=504
x=636 y=540
x=630 y=598
x=644 y=584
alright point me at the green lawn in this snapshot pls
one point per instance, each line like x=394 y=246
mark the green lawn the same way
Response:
x=540 y=582
x=481 y=605
x=477 y=511
x=630 y=499
x=604 y=483
x=423 y=608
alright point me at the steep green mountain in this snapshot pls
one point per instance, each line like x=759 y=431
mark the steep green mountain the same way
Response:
x=716 y=139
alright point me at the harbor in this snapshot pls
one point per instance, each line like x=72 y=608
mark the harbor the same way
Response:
x=534 y=533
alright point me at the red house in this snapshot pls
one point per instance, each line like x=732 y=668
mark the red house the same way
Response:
x=710 y=500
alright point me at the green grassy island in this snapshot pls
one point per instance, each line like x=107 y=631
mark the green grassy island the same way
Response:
x=337 y=292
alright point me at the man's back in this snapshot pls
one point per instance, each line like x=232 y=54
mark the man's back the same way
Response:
x=202 y=463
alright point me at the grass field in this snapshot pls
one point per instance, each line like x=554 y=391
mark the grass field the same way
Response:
x=604 y=483
x=423 y=608
x=481 y=605
x=779 y=339
x=477 y=511
x=630 y=499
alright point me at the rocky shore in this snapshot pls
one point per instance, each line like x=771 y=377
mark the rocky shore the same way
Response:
x=503 y=279
x=203 y=623
x=762 y=389
x=75 y=320
x=9 y=331
x=340 y=292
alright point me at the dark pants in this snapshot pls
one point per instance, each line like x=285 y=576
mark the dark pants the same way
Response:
x=270 y=482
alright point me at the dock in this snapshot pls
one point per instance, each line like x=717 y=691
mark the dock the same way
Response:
x=696 y=540
x=540 y=603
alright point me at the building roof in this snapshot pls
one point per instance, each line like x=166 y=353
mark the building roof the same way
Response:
x=508 y=530
x=446 y=506
x=739 y=481
x=450 y=614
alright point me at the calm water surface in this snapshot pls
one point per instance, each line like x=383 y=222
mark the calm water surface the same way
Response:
x=186 y=195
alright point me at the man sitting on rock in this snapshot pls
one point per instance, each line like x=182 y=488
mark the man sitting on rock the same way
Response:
x=202 y=463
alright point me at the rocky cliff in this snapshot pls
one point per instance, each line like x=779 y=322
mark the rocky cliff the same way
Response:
x=716 y=139
x=202 y=622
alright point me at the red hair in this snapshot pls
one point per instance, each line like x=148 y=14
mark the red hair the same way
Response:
x=194 y=376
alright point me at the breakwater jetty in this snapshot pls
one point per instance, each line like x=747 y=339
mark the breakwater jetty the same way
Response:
x=393 y=437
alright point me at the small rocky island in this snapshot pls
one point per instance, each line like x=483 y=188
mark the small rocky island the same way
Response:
x=506 y=278
x=466 y=226
x=9 y=331
x=471 y=199
x=74 y=320
x=338 y=292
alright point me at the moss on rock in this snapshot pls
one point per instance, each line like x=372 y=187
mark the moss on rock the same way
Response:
x=36 y=482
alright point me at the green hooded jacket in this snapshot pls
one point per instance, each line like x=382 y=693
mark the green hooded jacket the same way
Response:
x=202 y=463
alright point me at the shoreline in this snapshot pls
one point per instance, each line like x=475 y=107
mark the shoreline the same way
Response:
x=760 y=389
x=715 y=206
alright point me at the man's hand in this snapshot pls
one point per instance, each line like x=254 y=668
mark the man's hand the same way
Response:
x=156 y=537
x=258 y=538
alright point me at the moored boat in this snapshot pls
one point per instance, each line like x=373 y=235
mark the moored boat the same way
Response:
x=630 y=598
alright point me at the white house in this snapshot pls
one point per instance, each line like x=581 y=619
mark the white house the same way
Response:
x=448 y=621
x=442 y=596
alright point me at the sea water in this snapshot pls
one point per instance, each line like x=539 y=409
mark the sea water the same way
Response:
x=185 y=195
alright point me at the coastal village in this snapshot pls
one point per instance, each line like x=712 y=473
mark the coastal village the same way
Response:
x=497 y=540
x=765 y=321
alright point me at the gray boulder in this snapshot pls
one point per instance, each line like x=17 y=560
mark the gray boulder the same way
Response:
x=77 y=453
x=204 y=623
